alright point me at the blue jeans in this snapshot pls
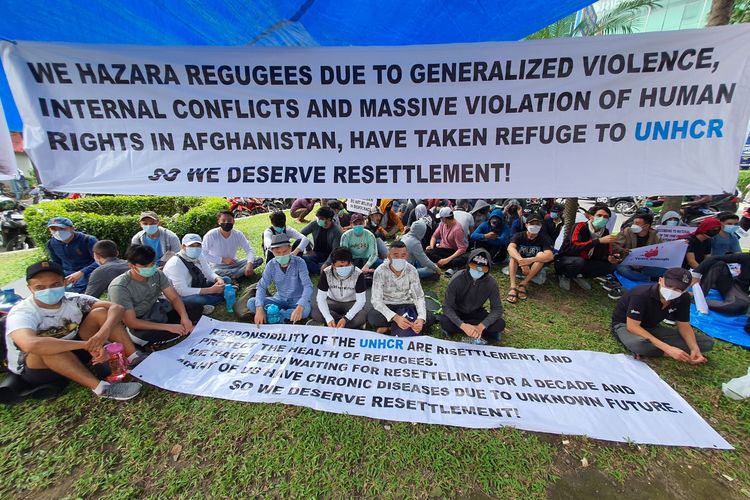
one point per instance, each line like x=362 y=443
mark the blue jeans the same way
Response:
x=424 y=272
x=314 y=262
x=286 y=306
x=641 y=274
x=203 y=300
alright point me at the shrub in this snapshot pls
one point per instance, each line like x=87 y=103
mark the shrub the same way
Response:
x=743 y=180
x=116 y=217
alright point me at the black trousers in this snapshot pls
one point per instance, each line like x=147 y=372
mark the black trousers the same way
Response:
x=492 y=332
x=441 y=253
x=498 y=253
x=376 y=320
x=194 y=311
x=717 y=275
x=570 y=267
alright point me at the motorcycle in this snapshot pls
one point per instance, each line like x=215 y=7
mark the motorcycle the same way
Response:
x=245 y=207
x=13 y=232
x=695 y=214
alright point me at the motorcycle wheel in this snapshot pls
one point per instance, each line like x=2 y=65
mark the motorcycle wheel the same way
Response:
x=238 y=214
x=17 y=243
x=625 y=207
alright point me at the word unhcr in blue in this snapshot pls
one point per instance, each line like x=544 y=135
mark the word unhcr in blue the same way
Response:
x=381 y=343
x=675 y=129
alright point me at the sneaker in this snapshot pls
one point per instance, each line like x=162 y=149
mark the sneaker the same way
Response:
x=615 y=293
x=140 y=356
x=604 y=279
x=609 y=286
x=669 y=322
x=582 y=283
x=565 y=283
x=208 y=309
x=540 y=278
x=506 y=271
x=121 y=391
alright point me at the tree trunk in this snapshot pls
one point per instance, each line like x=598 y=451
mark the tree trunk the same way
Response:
x=721 y=10
x=569 y=215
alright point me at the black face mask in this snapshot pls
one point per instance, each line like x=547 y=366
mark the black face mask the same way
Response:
x=712 y=233
x=227 y=226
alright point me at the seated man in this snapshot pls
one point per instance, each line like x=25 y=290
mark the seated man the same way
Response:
x=301 y=207
x=397 y=296
x=293 y=286
x=149 y=318
x=362 y=244
x=553 y=223
x=480 y=212
x=391 y=221
x=640 y=234
x=53 y=335
x=374 y=218
x=341 y=301
x=493 y=235
x=340 y=215
x=636 y=318
x=278 y=226
x=326 y=237
x=164 y=242
x=731 y=282
x=586 y=253
x=699 y=242
x=463 y=217
x=529 y=251
x=727 y=240
x=426 y=269
x=448 y=243
x=220 y=247
x=671 y=218
x=73 y=250
x=192 y=277
x=467 y=292
x=110 y=267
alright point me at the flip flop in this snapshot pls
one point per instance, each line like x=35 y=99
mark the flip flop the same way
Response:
x=522 y=292
x=512 y=295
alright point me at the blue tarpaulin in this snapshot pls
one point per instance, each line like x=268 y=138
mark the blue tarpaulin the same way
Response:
x=273 y=22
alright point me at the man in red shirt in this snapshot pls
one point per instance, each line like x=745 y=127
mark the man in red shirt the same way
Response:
x=448 y=243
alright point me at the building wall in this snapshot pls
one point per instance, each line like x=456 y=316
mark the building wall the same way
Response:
x=672 y=15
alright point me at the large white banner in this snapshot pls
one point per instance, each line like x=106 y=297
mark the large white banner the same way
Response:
x=666 y=255
x=604 y=116
x=8 y=167
x=423 y=379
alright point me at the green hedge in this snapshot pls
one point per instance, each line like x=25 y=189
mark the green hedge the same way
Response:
x=116 y=217
x=743 y=180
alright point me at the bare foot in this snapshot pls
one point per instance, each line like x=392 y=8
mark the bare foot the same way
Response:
x=383 y=329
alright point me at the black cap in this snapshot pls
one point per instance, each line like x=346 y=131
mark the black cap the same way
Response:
x=44 y=266
x=678 y=278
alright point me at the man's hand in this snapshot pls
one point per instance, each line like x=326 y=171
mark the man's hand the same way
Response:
x=524 y=262
x=490 y=236
x=443 y=262
x=331 y=324
x=614 y=259
x=176 y=329
x=228 y=261
x=249 y=271
x=429 y=247
x=696 y=358
x=342 y=323
x=677 y=353
x=72 y=278
x=402 y=322
x=470 y=330
x=187 y=325
x=260 y=316
x=96 y=342
x=216 y=288
x=366 y=269
x=297 y=314
x=99 y=356
x=418 y=325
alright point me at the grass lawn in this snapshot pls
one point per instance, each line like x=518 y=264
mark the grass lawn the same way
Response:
x=165 y=444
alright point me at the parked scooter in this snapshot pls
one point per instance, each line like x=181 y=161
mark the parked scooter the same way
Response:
x=245 y=207
x=13 y=231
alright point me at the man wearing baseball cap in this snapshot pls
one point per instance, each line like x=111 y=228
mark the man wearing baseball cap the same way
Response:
x=636 y=318
x=192 y=276
x=73 y=250
x=448 y=244
x=54 y=334
x=164 y=242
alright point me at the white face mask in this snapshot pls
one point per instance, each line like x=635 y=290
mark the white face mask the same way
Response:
x=669 y=294
x=398 y=264
x=636 y=229
x=534 y=229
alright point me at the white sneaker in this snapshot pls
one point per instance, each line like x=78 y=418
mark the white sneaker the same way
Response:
x=540 y=278
x=121 y=391
x=565 y=283
x=208 y=309
x=582 y=283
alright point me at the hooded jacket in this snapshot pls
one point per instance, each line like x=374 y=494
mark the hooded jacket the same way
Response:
x=390 y=218
x=465 y=294
x=413 y=241
x=504 y=231
x=672 y=215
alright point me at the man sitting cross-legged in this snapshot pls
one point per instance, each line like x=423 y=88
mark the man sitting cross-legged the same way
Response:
x=341 y=300
x=529 y=251
x=53 y=335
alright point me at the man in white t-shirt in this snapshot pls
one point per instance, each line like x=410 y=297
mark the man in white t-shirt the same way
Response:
x=53 y=335
x=220 y=247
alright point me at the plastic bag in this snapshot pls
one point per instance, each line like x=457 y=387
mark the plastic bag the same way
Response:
x=737 y=388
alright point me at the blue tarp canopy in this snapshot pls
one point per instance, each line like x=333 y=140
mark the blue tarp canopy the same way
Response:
x=273 y=22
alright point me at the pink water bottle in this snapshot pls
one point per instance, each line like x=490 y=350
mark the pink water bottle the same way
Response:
x=118 y=364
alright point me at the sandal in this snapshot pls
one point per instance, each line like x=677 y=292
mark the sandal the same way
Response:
x=512 y=295
x=522 y=292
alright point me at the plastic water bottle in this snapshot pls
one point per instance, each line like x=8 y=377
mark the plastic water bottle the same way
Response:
x=273 y=314
x=230 y=296
x=8 y=299
x=118 y=364
x=477 y=341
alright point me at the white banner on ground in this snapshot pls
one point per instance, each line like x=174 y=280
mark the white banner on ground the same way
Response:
x=671 y=233
x=8 y=167
x=423 y=379
x=666 y=255
x=613 y=115
x=360 y=206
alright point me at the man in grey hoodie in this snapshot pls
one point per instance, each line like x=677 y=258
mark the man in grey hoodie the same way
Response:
x=426 y=269
x=463 y=306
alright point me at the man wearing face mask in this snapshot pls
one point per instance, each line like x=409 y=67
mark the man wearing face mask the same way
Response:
x=493 y=235
x=553 y=223
x=467 y=292
x=110 y=267
x=639 y=234
x=326 y=237
x=293 y=286
x=726 y=241
x=278 y=226
x=151 y=319
x=586 y=252
x=220 y=247
x=529 y=251
x=448 y=244
x=341 y=301
x=480 y=212
x=699 y=242
x=361 y=243
x=53 y=335
x=164 y=242
x=636 y=318
x=398 y=302
x=193 y=278
x=426 y=269
x=73 y=250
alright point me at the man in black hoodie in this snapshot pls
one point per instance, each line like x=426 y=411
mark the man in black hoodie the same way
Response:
x=468 y=290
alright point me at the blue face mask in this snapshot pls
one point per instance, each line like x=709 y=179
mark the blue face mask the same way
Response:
x=476 y=273
x=193 y=252
x=671 y=223
x=278 y=229
x=283 y=259
x=147 y=272
x=554 y=215
x=731 y=229
x=358 y=230
x=321 y=222
x=345 y=271
x=62 y=235
x=600 y=222
x=50 y=296
x=151 y=228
